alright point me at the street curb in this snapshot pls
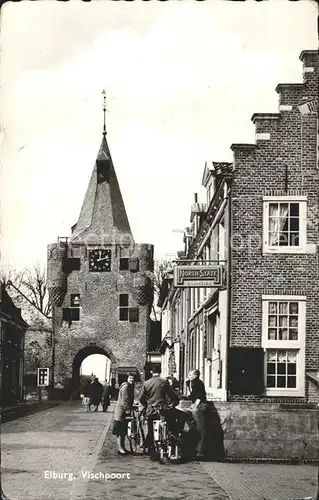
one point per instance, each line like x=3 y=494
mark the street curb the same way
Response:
x=80 y=487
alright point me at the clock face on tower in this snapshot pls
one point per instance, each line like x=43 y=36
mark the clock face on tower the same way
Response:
x=100 y=260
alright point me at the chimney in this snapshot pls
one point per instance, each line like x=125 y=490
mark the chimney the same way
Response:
x=309 y=59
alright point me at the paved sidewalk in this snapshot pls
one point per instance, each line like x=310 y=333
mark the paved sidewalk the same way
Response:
x=64 y=439
x=264 y=481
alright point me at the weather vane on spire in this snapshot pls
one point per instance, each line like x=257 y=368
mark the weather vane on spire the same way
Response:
x=104 y=112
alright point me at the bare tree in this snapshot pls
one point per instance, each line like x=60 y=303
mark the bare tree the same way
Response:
x=32 y=283
x=12 y=275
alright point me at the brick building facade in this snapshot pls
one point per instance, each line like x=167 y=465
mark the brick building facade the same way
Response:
x=100 y=282
x=256 y=336
x=12 y=337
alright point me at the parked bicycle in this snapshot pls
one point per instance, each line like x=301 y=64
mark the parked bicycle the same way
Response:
x=167 y=436
x=135 y=431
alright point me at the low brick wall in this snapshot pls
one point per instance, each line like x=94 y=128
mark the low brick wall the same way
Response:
x=262 y=431
x=275 y=431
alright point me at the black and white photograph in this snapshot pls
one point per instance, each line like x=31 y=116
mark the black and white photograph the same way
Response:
x=159 y=250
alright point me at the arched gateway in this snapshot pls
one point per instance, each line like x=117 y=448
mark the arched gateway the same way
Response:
x=79 y=357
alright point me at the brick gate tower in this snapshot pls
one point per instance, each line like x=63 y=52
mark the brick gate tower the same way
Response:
x=100 y=283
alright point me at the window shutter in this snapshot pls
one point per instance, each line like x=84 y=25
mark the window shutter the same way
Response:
x=133 y=314
x=133 y=265
x=71 y=314
x=246 y=370
x=66 y=314
x=75 y=314
x=71 y=264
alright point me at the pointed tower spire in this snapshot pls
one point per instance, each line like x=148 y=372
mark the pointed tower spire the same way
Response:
x=103 y=215
x=104 y=113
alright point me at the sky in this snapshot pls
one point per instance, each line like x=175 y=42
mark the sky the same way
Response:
x=96 y=364
x=183 y=79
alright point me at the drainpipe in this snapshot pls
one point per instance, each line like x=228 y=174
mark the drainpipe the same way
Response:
x=229 y=302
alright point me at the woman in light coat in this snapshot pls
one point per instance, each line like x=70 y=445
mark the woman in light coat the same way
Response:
x=123 y=407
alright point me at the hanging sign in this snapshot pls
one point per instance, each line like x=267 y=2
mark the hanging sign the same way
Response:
x=198 y=276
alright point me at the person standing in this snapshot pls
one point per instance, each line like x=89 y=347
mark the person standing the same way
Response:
x=123 y=408
x=156 y=392
x=199 y=408
x=95 y=393
x=106 y=395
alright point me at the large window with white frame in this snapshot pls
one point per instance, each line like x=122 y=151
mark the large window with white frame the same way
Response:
x=283 y=339
x=284 y=224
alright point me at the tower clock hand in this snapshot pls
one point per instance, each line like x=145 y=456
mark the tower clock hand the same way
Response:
x=103 y=258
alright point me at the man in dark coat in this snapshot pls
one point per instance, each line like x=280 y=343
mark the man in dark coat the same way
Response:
x=155 y=393
x=106 y=396
x=199 y=407
x=95 y=393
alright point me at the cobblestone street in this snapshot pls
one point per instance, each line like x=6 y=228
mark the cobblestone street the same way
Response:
x=67 y=439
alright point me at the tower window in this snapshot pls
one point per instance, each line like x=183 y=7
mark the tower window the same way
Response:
x=127 y=264
x=102 y=170
x=124 y=264
x=127 y=313
x=124 y=309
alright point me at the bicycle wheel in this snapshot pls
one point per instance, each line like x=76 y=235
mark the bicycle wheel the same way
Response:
x=132 y=444
x=161 y=455
x=134 y=441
